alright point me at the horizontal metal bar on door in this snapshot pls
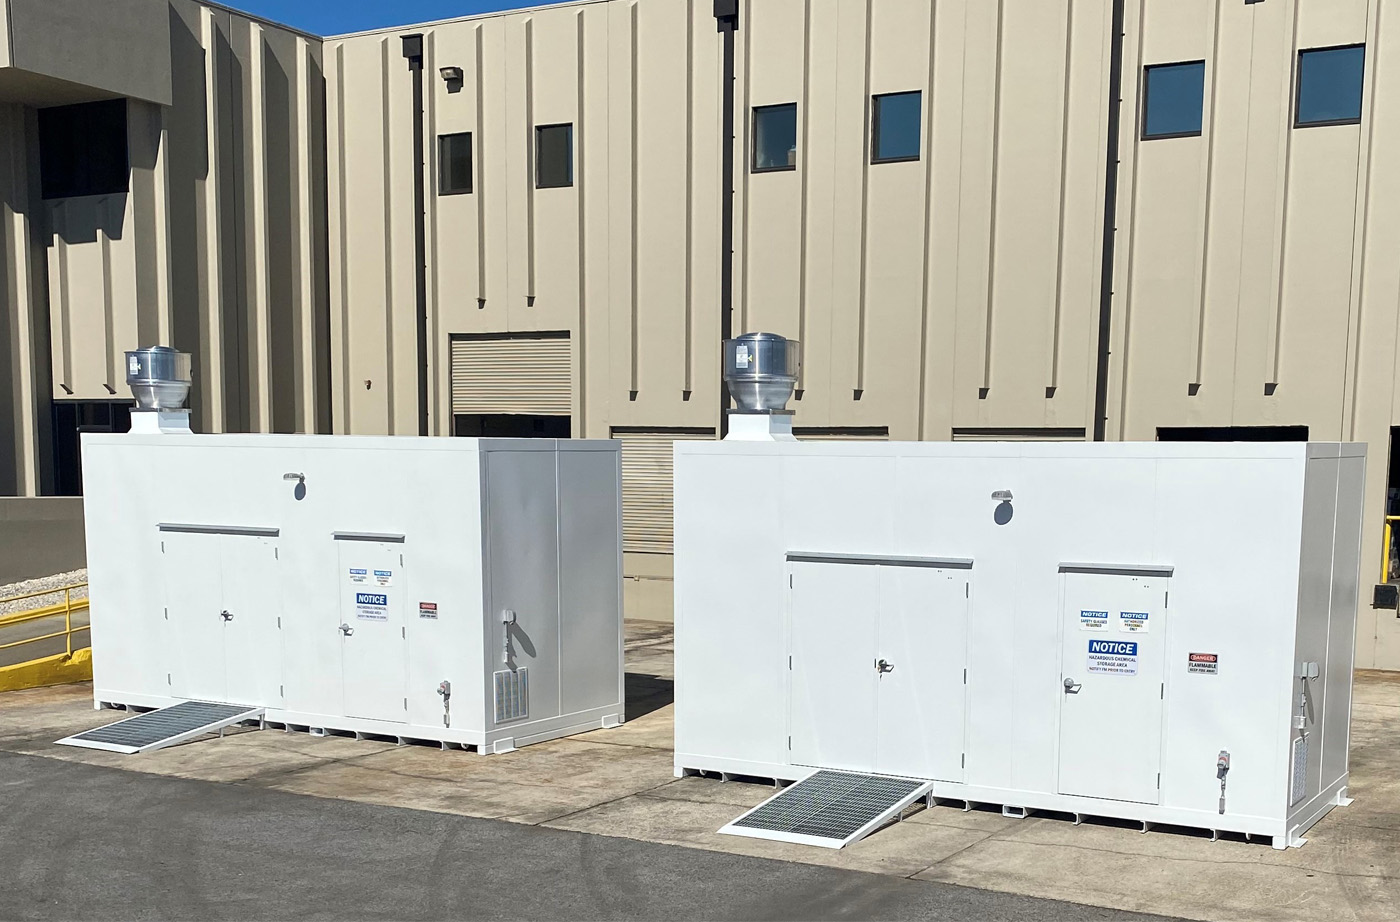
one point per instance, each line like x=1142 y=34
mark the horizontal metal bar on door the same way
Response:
x=1122 y=569
x=942 y=563
x=220 y=529
x=366 y=536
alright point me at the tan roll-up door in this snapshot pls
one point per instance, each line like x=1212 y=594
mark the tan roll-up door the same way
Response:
x=1018 y=435
x=646 y=486
x=529 y=375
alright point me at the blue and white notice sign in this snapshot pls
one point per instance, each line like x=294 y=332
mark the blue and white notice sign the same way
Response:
x=359 y=575
x=1113 y=657
x=1090 y=620
x=372 y=606
x=1132 y=622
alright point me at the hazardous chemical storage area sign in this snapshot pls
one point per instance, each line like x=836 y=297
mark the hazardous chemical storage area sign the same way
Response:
x=1113 y=657
x=1093 y=620
x=372 y=606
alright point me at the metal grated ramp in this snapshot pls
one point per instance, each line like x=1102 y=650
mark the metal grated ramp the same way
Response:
x=165 y=727
x=829 y=808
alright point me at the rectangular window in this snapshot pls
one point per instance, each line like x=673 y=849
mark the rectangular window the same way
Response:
x=1172 y=99
x=895 y=123
x=554 y=156
x=455 y=163
x=1329 y=85
x=82 y=149
x=775 y=137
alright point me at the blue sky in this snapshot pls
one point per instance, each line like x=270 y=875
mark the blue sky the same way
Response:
x=333 y=17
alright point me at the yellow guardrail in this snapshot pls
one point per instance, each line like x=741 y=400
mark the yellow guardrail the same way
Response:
x=66 y=608
x=55 y=669
x=1385 y=546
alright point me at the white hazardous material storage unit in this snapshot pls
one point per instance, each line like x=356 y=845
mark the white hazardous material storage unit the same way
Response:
x=460 y=590
x=1161 y=632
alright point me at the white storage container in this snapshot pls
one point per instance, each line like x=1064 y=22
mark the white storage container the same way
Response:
x=460 y=590
x=1088 y=628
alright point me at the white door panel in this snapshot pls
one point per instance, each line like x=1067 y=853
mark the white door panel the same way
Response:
x=832 y=682
x=252 y=639
x=193 y=602
x=1113 y=645
x=922 y=695
x=374 y=649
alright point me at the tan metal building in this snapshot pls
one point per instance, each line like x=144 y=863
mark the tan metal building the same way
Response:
x=920 y=196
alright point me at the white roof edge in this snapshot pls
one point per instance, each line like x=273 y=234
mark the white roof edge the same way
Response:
x=254 y=17
x=474 y=17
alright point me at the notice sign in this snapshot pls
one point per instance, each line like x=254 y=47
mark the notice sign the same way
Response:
x=384 y=577
x=1203 y=663
x=371 y=606
x=359 y=575
x=1113 y=657
x=1093 y=620
x=1132 y=622
x=427 y=610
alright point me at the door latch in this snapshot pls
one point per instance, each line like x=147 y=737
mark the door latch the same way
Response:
x=1072 y=687
x=226 y=615
x=347 y=630
x=882 y=666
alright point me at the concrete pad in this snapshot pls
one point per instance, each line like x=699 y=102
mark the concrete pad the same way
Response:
x=902 y=849
x=652 y=731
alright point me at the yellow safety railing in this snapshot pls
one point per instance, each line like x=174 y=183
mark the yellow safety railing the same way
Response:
x=66 y=608
x=1385 y=546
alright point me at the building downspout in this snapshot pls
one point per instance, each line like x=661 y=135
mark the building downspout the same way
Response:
x=1110 y=219
x=413 y=51
x=727 y=23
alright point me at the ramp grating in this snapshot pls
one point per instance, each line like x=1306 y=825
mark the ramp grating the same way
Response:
x=829 y=808
x=165 y=727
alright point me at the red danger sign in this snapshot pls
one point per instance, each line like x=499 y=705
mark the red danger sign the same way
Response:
x=427 y=610
x=1203 y=663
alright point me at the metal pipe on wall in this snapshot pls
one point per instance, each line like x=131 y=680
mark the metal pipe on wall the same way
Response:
x=1110 y=218
x=727 y=23
x=413 y=51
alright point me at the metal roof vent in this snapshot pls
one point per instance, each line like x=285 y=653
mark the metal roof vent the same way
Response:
x=760 y=370
x=159 y=378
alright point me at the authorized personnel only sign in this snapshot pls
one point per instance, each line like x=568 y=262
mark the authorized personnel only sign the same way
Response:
x=1113 y=657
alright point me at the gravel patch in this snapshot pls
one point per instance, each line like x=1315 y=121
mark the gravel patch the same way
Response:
x=57 y=581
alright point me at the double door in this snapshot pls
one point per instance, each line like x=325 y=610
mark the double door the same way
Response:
x=222 y=612
x=877 y=666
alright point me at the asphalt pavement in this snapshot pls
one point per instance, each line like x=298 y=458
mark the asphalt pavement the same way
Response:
x=85 y=842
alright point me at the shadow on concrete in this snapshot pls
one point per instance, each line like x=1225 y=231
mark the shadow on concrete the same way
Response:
x=647 y=693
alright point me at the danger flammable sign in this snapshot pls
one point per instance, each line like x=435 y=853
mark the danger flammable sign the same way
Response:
x=1203 y=663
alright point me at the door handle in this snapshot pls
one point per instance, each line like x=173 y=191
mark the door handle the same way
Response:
x=347 y=630
x=882 y=666
x=1072 y=687
x=226 y=615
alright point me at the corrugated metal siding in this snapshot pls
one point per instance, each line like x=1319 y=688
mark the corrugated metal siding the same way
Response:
x=512 y=375
x=1018 y=435
x=647 y=496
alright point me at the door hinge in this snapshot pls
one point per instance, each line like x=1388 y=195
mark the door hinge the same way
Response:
x=967 y=590
x=276 y=554
x=964 y=675
x=405 y=704
x=789 y=662
x=789 y=580
x=400 y=560
x=1166 y=598
x=162 y=547
x=167 y=679
x=964 y=760
x=279 y=622
x=789 y=742
x=1163 y=696
x=403 y=632
x=167 y=614
x=281 y=691
x=1159 y=781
